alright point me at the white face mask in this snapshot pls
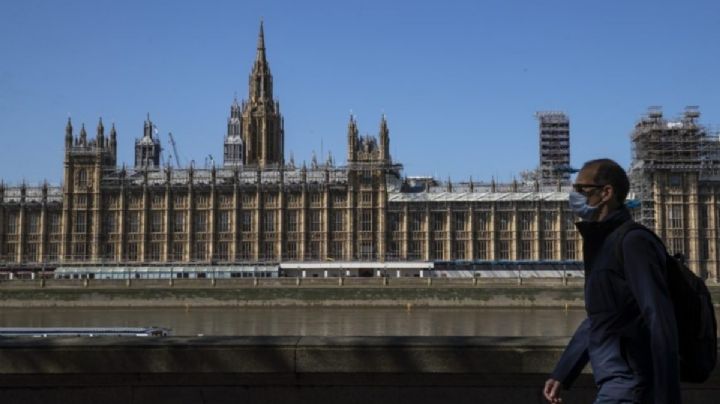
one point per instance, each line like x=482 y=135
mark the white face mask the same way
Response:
x=579 y=204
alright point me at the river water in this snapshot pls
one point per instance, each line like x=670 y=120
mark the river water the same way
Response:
x=310 y=321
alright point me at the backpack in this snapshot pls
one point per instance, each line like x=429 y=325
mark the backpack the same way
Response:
x=694 y=312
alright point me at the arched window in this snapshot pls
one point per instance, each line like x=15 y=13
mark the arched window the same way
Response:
x=82 y=178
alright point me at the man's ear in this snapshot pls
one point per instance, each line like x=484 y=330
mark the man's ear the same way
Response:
x=608 y=193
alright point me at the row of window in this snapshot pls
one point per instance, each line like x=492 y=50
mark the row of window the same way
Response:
x=31 y=252
x=315 y=199
x=506 y=250
x=32 y=223
x=200 y=252
x=269 y=221
x=460 y=221
x=82 y=222
x=336 y=250
x=417 y=221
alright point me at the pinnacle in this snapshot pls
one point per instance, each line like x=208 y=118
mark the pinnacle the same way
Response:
x=261 y=37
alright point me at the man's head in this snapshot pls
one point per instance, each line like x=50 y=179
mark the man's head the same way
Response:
x=605 y=185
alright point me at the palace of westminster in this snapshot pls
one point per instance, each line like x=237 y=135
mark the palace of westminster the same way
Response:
x=258 y=208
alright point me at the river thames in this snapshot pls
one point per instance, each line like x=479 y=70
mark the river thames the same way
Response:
x=310 y=321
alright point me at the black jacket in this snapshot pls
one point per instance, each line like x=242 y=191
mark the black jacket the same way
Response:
x=630 y=334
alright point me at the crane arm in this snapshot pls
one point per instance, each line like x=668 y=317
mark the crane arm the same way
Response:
x=175 y=152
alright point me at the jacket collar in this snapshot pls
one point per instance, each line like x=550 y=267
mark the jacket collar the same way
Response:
x=601 y=229
x=595 y=233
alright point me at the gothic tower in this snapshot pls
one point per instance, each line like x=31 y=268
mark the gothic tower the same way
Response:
x=147 y=149
x=262 y=125
x=85 y=162
x=369 y=149
x=233 y=151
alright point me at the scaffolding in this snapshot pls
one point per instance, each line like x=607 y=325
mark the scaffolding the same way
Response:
x=674 y=146
x=554 y=148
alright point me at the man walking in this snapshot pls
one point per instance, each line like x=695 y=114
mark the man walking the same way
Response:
x=630 y=335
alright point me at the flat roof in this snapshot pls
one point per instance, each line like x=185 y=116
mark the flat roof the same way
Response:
x=477 y=196
x=356 y=265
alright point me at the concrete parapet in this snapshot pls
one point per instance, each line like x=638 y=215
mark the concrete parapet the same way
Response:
x=183 y=295
x=318 y=370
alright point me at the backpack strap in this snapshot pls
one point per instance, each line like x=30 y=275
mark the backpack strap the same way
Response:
x=620 y=234
x=623 y=230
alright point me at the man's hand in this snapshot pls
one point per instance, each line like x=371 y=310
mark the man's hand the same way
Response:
x=552 y=391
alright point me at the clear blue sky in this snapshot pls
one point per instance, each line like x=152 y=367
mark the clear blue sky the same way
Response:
x=459 y=81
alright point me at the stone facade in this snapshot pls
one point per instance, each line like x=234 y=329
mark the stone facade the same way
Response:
x=258 y=208
x=675 y=177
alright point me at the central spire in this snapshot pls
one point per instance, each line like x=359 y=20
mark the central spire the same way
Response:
x=260 y=124
x=261 y=68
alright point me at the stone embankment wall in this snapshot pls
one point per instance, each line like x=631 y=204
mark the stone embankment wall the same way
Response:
x=264 y=292
x=316 y=370
x=345 y=292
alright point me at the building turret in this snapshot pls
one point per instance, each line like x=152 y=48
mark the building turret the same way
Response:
x=352 y=134
x=147 y=149
x=113 y=144
x=100 y=138
x=68 y=135
x=148 y=128
x=384 y=140
x=233 y=150
x=83 y=136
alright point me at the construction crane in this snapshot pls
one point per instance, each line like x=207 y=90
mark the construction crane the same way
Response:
x=175 y=152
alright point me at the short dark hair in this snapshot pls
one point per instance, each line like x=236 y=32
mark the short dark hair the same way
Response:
x=608 y=172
